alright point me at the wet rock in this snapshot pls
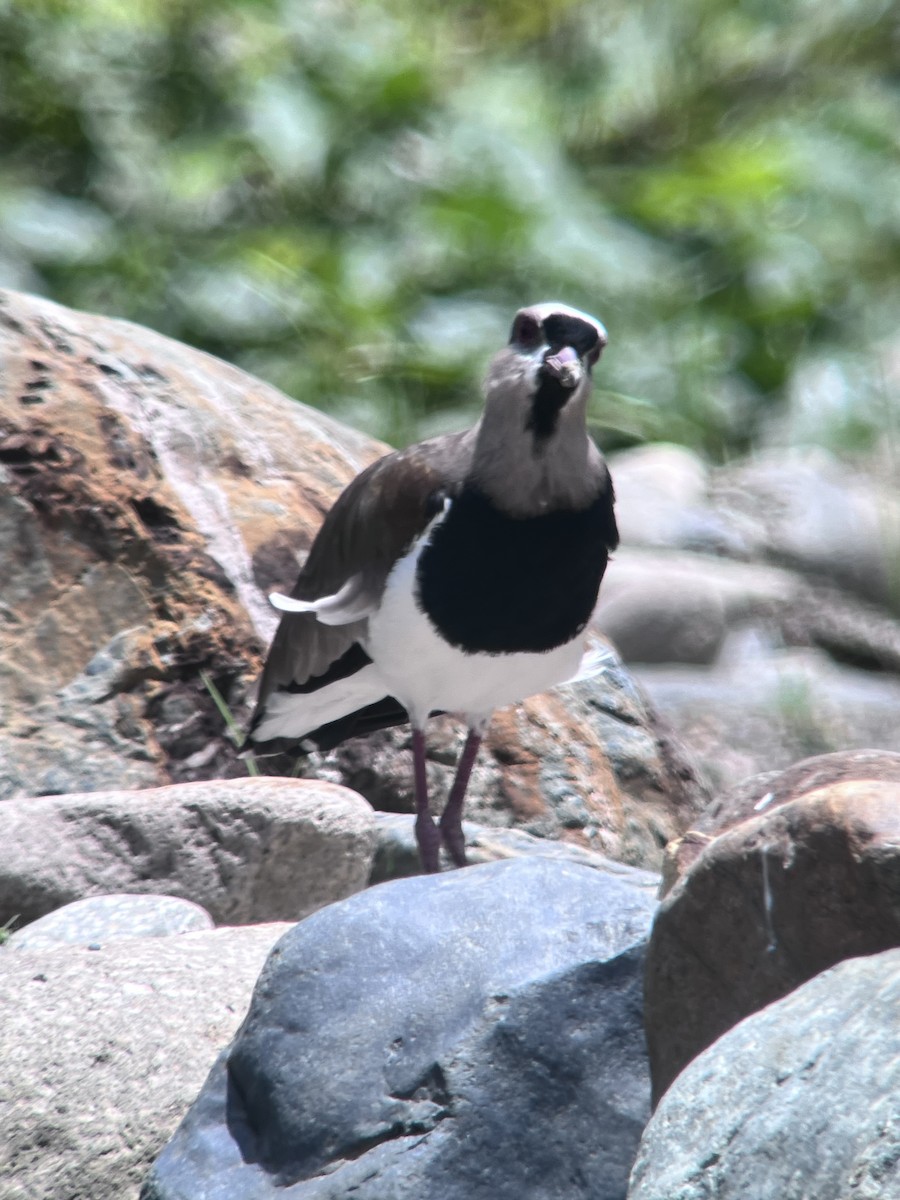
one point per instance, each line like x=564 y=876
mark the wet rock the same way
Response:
x=104 y=1050
x=412 y=1041
x=815 y=1111
x=245 y=849
x=767 y=905
x=100 y=919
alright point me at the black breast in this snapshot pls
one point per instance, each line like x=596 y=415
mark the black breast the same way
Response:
x=498 y=584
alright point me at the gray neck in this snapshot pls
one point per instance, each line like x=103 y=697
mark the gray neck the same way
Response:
x=525 y=475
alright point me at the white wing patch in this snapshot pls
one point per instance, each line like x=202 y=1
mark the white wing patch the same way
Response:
x=350 y=604
x=294 y=714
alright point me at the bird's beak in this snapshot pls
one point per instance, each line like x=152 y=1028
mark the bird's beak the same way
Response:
x=565 y=366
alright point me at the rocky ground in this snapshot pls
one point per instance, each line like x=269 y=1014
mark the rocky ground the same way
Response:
x=499 y=1030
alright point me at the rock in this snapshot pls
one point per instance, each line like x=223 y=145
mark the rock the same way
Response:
x=425 y=1038
x=661 y=494
x=104 y=1050
x=397 y=854
x=150 y=497
x=763 y=706
x=247 y=849
x=798 y=508
x=815 y=1114
x=789 y=636
x=661 y=606
x=814 y=514
x=767 y=791
x=767 y=905
x=100 y=919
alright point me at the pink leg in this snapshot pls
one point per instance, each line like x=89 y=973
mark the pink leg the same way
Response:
x=427 y=833
x=451 y=820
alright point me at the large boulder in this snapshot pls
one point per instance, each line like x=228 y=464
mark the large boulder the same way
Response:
x=104 y=1049
x=798 y=1101
x=245 y=849
x=473 y=1035
x=151 y=494
x=768 y=904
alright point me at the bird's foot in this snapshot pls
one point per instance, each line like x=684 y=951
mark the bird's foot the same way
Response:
x=428 y=837
x=453 y=838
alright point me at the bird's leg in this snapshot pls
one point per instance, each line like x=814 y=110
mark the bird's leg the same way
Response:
x=428 y=835
x=451 y=819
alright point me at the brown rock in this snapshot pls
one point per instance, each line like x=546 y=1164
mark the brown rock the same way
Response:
x=150 y=488
x=768 y=791
x=767 y=905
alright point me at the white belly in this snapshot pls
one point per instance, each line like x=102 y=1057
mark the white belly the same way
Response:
x=425 y=673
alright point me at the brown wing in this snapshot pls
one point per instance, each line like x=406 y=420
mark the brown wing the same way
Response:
x=372 y=523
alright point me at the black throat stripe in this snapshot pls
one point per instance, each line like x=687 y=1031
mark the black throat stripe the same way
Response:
x=546 y=405
x=496 y=584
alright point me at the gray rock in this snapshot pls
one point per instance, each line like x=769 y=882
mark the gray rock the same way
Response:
x=397 y=854
x=763 y=706
x=661 y=495
x=815 y=514
x=799 y=508
x=252 y=849
x=100 y=919
x=664 y=606
x=798 y=1102
x=429 y=1038
x=103 y=1051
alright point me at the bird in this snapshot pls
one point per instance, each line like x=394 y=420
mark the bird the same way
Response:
x=455 y=576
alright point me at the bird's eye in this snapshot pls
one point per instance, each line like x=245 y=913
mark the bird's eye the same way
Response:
x=526 y=331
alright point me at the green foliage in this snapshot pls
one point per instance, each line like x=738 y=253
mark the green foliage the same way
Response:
x=350 y=198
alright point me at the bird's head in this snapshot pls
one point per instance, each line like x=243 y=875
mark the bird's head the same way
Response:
x=546 y=366
x=532 y=445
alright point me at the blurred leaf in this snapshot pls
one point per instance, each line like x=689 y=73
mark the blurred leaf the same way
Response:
x=352 y=199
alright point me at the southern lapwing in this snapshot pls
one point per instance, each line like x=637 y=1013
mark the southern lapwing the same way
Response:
x=455 y=576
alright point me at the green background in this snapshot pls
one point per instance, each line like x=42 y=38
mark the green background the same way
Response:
x=351 y=199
